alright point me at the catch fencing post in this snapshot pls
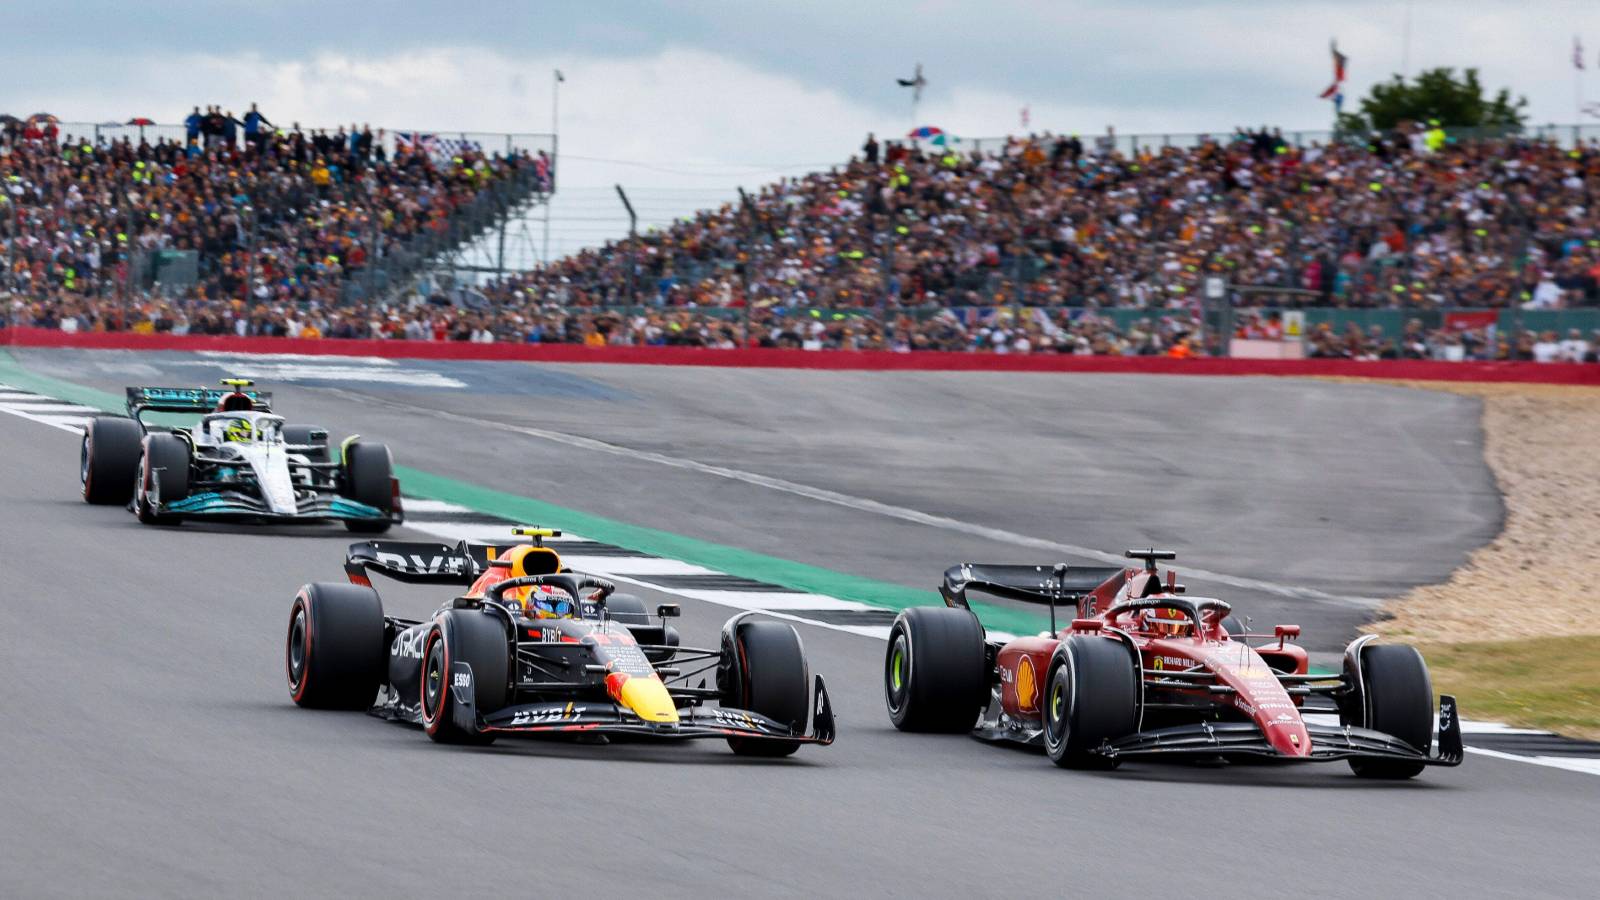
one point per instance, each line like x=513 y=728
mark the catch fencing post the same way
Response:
x=747 y=213
x=633 y=245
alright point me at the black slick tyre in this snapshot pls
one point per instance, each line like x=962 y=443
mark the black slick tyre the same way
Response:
x=335 y=656
x=479 y=639
x=773 y=681
x=1397 y=699
x=108 y=462
x=303 y=435
x=1091 y=696
x=935 y=671
x=627 y=609
x=163 y=477
x=1234 y=627
x=368 y=479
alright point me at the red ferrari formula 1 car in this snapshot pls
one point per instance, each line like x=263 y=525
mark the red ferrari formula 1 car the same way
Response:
x=1146 y=671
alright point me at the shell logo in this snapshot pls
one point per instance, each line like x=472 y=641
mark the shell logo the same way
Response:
x=1027 y=685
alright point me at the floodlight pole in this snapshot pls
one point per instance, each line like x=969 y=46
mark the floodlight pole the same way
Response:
x=747 y=212
x=633 y=245
x=556 y=78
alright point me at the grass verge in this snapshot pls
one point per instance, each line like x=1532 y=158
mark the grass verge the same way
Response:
x=1551 y=683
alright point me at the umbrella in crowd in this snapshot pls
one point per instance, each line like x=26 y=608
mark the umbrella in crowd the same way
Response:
x=929 y=133
x=141 y=121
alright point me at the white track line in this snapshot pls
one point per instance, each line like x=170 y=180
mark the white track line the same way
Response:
x=864 y=504
x=757 y=600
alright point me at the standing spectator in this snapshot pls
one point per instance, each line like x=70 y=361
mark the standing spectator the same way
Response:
x=869 y=150
x=256 y=128
x=230 y=129
x=191 y=125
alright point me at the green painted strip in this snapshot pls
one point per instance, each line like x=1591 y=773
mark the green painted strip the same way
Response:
x=731 y=560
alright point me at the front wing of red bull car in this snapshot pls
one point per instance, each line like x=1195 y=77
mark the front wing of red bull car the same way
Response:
x=481 y=668
x=1142 y=670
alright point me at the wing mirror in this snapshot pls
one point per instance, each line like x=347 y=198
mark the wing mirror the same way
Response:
x=669 y=611
x=1285 y=632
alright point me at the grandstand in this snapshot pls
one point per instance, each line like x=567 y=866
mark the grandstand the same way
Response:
x=1031 y=244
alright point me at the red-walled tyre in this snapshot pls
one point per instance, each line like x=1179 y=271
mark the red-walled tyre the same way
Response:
x=163 y=477
x=368 y=479
x=335 y=656
x=774 y=681
x=480 y=640
x=109 y=460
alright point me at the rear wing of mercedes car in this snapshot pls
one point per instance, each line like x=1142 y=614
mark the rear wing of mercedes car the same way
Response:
x=189 y=400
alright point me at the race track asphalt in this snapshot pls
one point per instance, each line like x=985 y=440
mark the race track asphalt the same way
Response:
x=1353 y=491
x=150 y=748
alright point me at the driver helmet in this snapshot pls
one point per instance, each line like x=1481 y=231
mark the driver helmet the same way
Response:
x=238 y=431
x=1168 y=622
x=548 y=602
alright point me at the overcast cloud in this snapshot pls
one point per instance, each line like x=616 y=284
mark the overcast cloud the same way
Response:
x=682 y=102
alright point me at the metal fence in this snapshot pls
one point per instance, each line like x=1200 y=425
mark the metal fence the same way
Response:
x=526 y=143
x=1133 y=144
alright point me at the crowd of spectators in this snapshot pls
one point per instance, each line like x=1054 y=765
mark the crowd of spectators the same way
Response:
x=280 y=218
x=1015 y=248
x=1044 y=221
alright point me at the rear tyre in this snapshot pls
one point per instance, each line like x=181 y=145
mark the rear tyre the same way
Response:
x=479 y=639
x=163 y=477
x=1398 y=701
x=1093 y=697
x=773 y=681
x=935 y=671
x=368 y=479
x=301 y=434
x=627 y=609
x=108 y=464
x=335 y=656
x=1233 y=627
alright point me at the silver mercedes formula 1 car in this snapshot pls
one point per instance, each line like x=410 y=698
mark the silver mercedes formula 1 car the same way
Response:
x=240 y=462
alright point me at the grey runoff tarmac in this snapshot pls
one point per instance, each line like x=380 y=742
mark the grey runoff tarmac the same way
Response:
x=153 y=750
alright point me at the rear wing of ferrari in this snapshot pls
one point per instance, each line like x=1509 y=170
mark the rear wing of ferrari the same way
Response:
x=1031 y=584
x=417 y=562
x=189 y=400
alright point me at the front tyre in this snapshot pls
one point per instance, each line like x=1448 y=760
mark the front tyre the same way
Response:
x=479 y=639
x=335 y=656
x=1092 y=696
x=369 y=480
x=163 y=478
x=773 y=680
x=935 y=670
x=1398 y=701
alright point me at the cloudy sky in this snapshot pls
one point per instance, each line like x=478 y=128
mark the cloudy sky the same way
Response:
x=682 y=102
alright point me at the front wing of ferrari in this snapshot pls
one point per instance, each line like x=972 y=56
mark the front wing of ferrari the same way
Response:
x=1328 y=742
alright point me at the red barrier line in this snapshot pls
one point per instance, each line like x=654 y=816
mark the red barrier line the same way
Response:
x=762 y=358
